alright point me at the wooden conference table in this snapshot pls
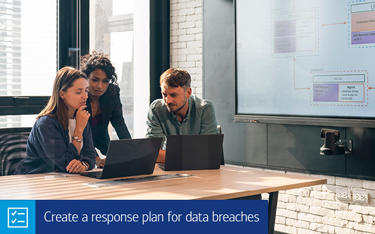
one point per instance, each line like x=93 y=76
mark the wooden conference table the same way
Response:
x=227 y=183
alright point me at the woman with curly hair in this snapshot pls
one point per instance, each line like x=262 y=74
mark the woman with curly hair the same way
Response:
x=103 y=102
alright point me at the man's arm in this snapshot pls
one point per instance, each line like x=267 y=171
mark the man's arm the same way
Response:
x=209 y=125
x=154 y=129
x=161 y=156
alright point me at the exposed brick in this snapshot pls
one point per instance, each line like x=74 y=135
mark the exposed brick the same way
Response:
x=369 y=219
x=179 y=58
x=361 y=209
x=193 y=17
x=174 y=26
x=316 y=188
x=178 y=45
x=369 y=184
x=279 y=227
x=309 y=201
x=174 y=39
x=184 y=51
x=186 y=37
x=290 y=222
x=187 y=64
x=198 y=10
x=288 y=198
x=334 y=205
x=299 y=192
x=280 y=220
x=340 y=230
x=291 y=230
x=181 y=5
x=301 y=224
x=194 y=31
x=194 y=57
x=348 y=216
x=191 y=4
x=193 y=44
x=280 y=204
x=198 y=23
x=180 y=32
x=187 y=24
x=306 y=231
x=322 y=211
x=186 y=11
x=334 y=221
x=323 y=195
x=309 y=217
x=362 y=227
x=354 y=183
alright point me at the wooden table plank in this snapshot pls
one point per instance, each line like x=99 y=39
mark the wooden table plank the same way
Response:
x=226 y=183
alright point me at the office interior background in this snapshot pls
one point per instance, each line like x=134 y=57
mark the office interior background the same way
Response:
x=144 y=38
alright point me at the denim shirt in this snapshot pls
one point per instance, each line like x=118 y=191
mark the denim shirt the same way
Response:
x=200 y=120
x=48 y=148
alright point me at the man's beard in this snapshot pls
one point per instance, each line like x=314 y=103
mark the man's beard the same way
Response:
x=177 y=109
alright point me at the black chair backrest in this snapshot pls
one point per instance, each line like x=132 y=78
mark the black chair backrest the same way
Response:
x=13 y=143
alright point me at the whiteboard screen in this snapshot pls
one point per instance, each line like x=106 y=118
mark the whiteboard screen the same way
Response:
x=306 y=58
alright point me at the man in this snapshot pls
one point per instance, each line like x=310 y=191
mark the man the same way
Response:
x=179 y=112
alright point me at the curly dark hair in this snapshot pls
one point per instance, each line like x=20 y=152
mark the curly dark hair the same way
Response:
x=90 y=62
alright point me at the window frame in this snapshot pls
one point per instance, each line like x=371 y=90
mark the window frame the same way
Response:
x=71 y=31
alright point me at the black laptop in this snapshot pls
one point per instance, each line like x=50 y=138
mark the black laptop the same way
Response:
x=193 y=152
x=129 y=157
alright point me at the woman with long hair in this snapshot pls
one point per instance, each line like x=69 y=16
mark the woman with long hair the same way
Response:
x=104 y=102
x=60 y=139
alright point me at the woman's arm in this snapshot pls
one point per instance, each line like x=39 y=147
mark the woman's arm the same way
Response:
x=50 y=145
x=117 y=119
x=88 y=150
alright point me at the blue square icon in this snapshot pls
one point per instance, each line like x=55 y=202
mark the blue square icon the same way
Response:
x=18 y=217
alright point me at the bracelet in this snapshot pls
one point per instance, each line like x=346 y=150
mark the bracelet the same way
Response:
x=77 y=139
x=85 y=164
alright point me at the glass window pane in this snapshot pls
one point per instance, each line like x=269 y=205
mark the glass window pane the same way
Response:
x=28 y=47
x=16 y=121
x=28 y=52
x=112 y=31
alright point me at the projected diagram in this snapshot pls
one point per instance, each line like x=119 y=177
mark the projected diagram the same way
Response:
x=306 y=58
x=339 y=89
x=295 y=33
x=362 y=23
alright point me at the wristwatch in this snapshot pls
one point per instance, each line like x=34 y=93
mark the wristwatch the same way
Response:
x=76 y=138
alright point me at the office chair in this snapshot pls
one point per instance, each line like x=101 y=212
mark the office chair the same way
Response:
x=13 y=143
x=219 y=132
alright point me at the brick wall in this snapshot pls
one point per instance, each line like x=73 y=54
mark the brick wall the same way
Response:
x=317 y=210
x=186 y=40
x=312 y=210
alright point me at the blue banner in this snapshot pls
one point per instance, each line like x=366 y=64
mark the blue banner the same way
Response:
x=135 y=216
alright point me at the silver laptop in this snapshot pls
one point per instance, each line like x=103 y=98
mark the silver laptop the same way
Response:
x=129 y=157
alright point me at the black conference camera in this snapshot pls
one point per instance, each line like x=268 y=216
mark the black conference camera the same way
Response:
x=332 y=144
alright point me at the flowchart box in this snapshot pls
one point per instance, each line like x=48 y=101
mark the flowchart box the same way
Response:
x=339 y=88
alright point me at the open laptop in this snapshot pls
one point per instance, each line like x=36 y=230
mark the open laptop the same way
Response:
x=129 y=157
x=193 y=152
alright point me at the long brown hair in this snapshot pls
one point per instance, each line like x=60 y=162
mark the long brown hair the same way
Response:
x=56 y=107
